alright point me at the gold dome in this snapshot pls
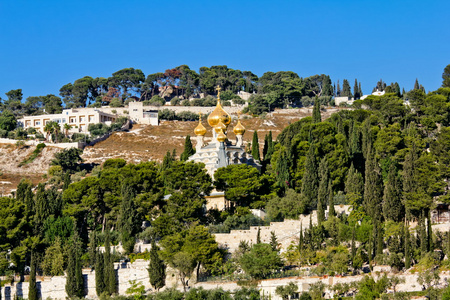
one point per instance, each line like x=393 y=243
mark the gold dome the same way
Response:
x=239 y=129
x=200 y=129
x=220 y=127
x=221 y=137
x=219 y=114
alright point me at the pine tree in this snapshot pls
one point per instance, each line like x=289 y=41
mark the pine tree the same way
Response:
x=331 y=211
x=310 y=181
x=32 y=287
x=258 y=236
x=393 y=208
x=156 y=268
x=407 y=248
x=188 y=149
x=323 y=190
x=373 y=188
x=273 y=241
x=255 y=146
x=316 y=116
x=100 y=286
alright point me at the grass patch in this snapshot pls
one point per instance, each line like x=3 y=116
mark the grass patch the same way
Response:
x=33 y=155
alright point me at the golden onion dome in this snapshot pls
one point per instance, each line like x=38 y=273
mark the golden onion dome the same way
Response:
x=200 y=129
x=239 y=129
x=221 y=137
x=220 y=127
x=219 y=115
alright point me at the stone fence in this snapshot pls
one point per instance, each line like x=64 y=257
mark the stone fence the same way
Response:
x=35 y=143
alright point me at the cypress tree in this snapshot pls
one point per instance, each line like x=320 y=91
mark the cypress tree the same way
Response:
x=346 y=90
x=409 y=180
x=188 y=149
x=282 y=169
x=74 y=281
x=360 y=90
x=356 y=90
x=167 y=160
x=128 y=219
x=268 y=148
x=300 y=240
x=258 y=236
x=32 y=289
x=255 y=146
x=429 y=233
x=353 y=244
x=110 y=274
x=265 y=147
x=373 y=188
x=416 y=85
x=66 y=180
x=273 y=241
x=393 y=208
x=316 y=116
x=156 y=268
x=42 y=209
x=423 y=235
x=92 y=248
x=338 y=89
x=331 y=211
x=310 y=181
x=354 y=185
x=407 y=248
x=100 y=286
x=379 y=231
x=323 y=191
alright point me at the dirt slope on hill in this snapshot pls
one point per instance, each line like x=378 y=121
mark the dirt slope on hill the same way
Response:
x=145 y=142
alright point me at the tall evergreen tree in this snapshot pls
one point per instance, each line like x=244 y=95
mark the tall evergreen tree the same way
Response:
x=338 y=89
x=409 y=181
x=331 y=211
x=255 y=146
x=346 y=90
x=273 y=241
x=168 y=159
x=322 y=196
x=100 y=286
x=92 y=248
x=258 y=236
x=379 y=231
x=373 y=188
x=407 y=248
x=128 y=218
x=316 y=116
x=416 y=85
x=74 y=282
x=110 y=273
x=32 y=287
x=353 y=252
x=310 y=181
x=188 y=149
x=356 y=93
x=282 y=169
x=42 y=209
x=300 y=239
x=393 y=208
x=354 y=185
x=156 y=268
x=360 y=90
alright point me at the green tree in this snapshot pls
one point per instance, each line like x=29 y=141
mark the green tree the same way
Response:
x=188 y=149
x=446 y=76
x=74 y=283
x=331 y=211
x=110 y=273
x=100 y=286
x=255 y=146
x=323 y=190
x=346 y=90
x=393 y=208
x=8 y=121
x=373 y=188
x=129 y=221
x=316 y=116
x=32 y=287
x=310 y=181
x=260 y=261
x=68 y=159
x=156 y=268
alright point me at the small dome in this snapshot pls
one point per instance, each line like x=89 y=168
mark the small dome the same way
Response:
x=200 y=129
x=239 y=129
x=221 y=137
x=219 y=115
x=220 y=127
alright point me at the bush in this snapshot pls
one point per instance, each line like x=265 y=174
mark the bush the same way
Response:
x=187 y=116
x=175 y=101
x=98 y=129
x=157 y=101
x=3 y=133
x=116 y=102
x=167 y=114
x=186 y=102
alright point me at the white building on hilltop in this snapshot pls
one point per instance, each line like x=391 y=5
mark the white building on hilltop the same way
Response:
x=220 y=152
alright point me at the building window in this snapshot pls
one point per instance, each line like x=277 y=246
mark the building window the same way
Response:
x=81 y=119
x=91 y=118
x=72 y=120
x=37 y=123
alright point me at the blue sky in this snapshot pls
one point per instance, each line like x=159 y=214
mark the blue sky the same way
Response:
x=46 y=44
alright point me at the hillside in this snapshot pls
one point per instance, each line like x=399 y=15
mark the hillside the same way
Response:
x=141 y=143
x=145 y=142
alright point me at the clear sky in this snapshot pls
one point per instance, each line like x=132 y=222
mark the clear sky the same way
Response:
x=46 y=44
